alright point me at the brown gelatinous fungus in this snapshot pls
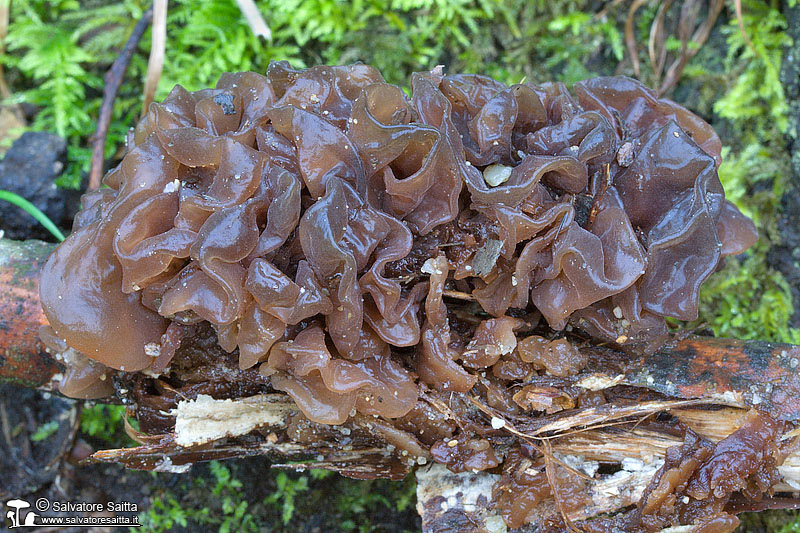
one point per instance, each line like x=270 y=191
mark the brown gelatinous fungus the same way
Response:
x=301 y=232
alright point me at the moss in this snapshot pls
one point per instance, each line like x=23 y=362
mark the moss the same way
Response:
x=104 y=424
x=45 y=431
x=237 y=496
x=212 y=502
x=770 y=522
x=60 y=49
x=749 y=298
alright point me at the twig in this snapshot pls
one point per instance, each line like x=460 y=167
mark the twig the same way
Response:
x=254 y=19
x=599 y=196
x=156 y=61
x=113 y=79
x=508 y=426
x=458 y=295
x=553 y=482
x=697 y=39
x=604 y=12
x=5 y=10
x=4 y=424
x=630 y=37
x=740 y=19
x=656 y=44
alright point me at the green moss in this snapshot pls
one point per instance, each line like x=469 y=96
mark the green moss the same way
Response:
x=285 y=492
x=105 y=423
x=237 y=496
x=756 y=94
x=61 y=49
x=217 y=503
x=785 y=523
x=44 y=431
x=748 y=298
x=770 y=522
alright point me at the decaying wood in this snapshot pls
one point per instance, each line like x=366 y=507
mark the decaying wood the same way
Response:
x=445 y=497
x=22 y=356
x=705 y=384
x=205 y=426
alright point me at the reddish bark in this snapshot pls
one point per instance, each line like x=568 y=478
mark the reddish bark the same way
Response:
x=22 y=356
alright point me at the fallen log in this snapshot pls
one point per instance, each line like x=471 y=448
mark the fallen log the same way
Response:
x=23 y=359
x=704 y=384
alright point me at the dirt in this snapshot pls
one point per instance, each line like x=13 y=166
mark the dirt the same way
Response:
x=30 y=169
x=37 y=465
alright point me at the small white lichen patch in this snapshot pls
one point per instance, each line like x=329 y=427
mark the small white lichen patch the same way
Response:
x=496 y=174
x=165 y=465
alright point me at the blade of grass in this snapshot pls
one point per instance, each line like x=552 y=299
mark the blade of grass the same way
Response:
x=33 y=211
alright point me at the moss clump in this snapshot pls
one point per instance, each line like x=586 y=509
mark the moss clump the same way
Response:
x=60 y=49
x=104 y=424
x=237 y=496
x=749 y=298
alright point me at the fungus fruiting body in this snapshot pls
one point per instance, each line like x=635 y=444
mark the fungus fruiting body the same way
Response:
x=318 y=223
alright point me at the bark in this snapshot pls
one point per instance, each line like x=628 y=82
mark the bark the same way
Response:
x=22 y=356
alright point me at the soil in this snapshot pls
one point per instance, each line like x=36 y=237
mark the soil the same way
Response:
x=38 y=466
x=30 y=169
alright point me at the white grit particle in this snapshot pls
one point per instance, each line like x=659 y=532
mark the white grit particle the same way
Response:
x=153 y=349
x=498 y=423
x=496 y=174
x=172 y=186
